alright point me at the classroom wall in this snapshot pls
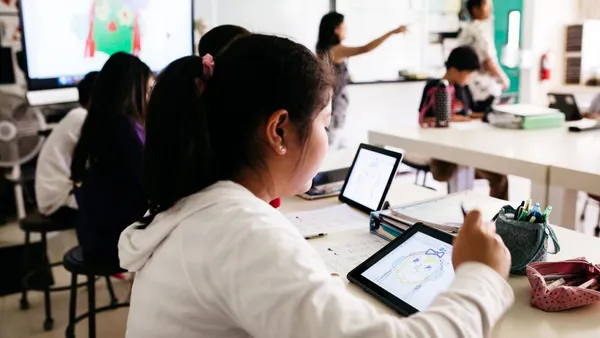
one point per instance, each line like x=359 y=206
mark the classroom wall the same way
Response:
x=376 y=105
x=544 y=30
x=298 y=20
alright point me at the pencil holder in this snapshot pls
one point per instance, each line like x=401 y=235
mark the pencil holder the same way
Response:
x=527 y=242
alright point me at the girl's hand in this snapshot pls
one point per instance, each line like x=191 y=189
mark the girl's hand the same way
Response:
x=477 y=242
x=401 y=29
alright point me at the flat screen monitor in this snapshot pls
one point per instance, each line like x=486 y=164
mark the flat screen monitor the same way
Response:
x=65 y=39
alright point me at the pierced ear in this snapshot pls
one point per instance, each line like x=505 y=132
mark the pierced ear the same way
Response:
x=278 y=131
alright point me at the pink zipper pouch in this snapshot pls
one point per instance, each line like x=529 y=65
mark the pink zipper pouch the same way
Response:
x=559 y=286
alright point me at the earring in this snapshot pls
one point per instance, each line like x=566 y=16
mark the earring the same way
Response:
x=282 y=148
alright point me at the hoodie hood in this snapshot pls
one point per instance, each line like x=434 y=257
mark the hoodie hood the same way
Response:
x=137 y=245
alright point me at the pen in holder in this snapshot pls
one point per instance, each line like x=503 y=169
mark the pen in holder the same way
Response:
x=526 y=241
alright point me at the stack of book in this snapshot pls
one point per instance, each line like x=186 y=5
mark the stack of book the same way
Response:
x=444 y=213
x=523 y=116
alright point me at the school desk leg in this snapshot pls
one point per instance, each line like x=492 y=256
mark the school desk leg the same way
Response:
x=463 y=179
x=564 y=207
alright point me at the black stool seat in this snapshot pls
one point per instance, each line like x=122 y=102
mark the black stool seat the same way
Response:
x=40 y=223
x=74 y=262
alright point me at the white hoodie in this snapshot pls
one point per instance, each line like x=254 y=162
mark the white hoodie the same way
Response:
x=223 y=263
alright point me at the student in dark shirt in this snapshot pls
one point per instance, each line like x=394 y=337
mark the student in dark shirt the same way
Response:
x=107 y=165
x=461 y=64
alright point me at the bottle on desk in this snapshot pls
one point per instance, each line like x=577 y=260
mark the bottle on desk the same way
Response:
x=443 y=104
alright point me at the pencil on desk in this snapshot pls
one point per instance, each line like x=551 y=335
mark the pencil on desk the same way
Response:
x=323 y=234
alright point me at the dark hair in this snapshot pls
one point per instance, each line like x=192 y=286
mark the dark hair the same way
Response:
x=200 y=131
x=327 y=36
x=463 y=58
x=218 y=38
x=120 y=90
x=472 y=5
x=85 y=86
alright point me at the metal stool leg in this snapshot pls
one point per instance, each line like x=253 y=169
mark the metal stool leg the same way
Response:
x=587 y=201
x=24 y=301
x=72 y=307
x=597 y=230
x=111 y=291
x=91 y=279
x=49 y=322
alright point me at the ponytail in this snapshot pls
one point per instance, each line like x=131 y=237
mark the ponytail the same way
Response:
x=178 y=145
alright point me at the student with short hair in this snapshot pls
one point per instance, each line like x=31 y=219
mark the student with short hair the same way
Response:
x=107 y=165
x=460 y=66
x=213 y=259
x=488 y=83
x=53 y=186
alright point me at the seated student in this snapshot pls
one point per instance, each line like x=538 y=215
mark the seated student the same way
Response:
x=108 y=159
x=213 y=259
x=213 y=41
x=594 y=110
x=53 y=186
x=462 y=62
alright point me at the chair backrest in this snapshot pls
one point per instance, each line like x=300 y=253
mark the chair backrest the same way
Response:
x=567 y=104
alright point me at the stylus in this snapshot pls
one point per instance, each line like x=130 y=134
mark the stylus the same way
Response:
x=315 y=236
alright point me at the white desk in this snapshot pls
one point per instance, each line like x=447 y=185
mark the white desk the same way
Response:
x=535 y=155
x=521 y=320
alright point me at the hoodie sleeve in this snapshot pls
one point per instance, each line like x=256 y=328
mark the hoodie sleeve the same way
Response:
x=273 y=284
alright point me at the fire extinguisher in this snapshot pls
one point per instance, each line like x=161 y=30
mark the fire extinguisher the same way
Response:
x=545 y=67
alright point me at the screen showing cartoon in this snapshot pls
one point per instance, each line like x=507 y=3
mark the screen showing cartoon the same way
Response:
x=369 y=178
x=416 y=271
x=65 y=39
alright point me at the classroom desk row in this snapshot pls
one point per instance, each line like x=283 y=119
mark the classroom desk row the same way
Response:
x=557 y=162
x=521 y=320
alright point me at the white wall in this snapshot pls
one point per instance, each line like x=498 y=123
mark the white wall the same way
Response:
x=296 y=19
x=379 y=105
x=544 y=30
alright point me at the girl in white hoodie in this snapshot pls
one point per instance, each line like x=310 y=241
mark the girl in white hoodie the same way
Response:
x=213 y=259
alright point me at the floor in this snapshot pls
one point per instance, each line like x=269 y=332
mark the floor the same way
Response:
x=15 y=323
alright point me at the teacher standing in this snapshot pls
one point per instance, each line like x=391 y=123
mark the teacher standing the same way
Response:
x=332 y=33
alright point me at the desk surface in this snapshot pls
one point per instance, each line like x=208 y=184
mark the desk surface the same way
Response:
x=521 y=320
x=528 y=154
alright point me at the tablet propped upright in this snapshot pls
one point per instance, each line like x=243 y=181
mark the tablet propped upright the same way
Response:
x=370 y=177
x=410 y=272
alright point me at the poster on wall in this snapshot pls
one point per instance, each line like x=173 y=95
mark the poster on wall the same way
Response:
x=10 y=31
x=8 y=7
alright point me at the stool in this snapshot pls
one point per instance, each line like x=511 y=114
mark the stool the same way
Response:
x=74 y=262
x=587 y=200
x=37 y=223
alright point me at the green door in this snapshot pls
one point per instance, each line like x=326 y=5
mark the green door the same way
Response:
x=502 y=8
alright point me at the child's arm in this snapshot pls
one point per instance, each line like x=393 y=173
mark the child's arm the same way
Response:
x=280 y=287
x=340 y=52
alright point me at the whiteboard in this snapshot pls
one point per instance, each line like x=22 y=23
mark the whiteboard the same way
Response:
x=368 y=20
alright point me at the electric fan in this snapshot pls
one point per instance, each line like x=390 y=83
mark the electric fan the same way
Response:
x=20 y=141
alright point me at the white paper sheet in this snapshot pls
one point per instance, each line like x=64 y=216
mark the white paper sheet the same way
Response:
x=347 y=251
x=329 y=220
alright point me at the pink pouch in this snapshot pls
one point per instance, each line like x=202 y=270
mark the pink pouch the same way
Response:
x=563 y=297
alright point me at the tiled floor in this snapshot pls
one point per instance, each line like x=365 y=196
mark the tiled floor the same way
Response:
x=15 y=323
